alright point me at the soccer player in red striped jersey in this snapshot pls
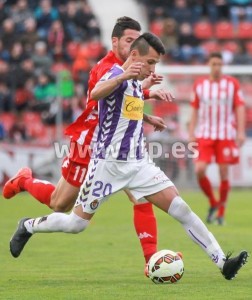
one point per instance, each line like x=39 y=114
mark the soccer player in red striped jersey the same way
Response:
x=218 y=124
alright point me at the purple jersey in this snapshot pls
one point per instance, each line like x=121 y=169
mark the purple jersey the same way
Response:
x=120 y=134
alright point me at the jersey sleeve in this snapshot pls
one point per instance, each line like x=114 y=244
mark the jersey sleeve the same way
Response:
x=113 y=72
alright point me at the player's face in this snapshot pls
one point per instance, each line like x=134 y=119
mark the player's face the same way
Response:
x=121 y=46
x=215 y=64
x=149 y=63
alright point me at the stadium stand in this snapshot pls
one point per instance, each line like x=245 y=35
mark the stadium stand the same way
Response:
x=47 y=48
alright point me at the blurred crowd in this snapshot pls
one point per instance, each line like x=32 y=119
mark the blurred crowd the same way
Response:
x=190 y=29
x=47 y=49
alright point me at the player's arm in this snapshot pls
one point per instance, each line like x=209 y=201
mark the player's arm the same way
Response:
x=240 y=121
x=192 y=124
x=239 y=110
x=106 y=87
x=157 y=122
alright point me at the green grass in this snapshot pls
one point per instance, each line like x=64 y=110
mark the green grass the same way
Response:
x=106 y=261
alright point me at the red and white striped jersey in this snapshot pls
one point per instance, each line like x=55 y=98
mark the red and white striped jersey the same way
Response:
x=216 y=102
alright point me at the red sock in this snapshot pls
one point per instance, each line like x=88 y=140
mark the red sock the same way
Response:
x=41 y=190
x=224 y=189
x=208 y=190
x=146 y=228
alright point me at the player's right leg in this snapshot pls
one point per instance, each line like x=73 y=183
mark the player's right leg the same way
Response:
x=206 y=150
x=61 y=197
x=41 y=190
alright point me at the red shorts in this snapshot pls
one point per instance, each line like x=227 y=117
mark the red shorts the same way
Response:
x=222 y=151
x=73 y=172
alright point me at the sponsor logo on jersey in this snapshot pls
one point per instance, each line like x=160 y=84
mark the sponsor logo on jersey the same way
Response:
x=133 y=108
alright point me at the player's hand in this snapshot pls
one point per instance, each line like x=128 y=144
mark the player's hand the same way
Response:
x=153 y=79
x=240 y=139
x=162 y=95
x=157 y=122
x=133 y=70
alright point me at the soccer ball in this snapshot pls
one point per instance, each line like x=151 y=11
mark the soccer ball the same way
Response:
x=165 y=266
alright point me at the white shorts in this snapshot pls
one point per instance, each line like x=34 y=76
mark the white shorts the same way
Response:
x=104 y=178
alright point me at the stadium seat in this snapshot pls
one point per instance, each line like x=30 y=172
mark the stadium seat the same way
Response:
x=31 y=117
x=7 y=119
x=210 y=46
x=231 y=46
x=244 y=30
x=156 y=27
x=72 y=49
x=224 y=30
x=248 y=46
x=203 y=30
x=95 y=49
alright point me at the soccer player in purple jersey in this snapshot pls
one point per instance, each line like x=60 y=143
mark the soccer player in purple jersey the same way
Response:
x=120 y=161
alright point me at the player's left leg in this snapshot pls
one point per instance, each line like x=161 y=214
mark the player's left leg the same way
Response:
x=170 y=202
x=223 y=192
x=227 y=153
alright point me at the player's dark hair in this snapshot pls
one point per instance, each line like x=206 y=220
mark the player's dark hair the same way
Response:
x=147 y=40
x=215 y=55
x=123 y=24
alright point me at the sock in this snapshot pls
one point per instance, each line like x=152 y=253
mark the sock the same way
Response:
x=57 y=222
x=206 y=187
x=146 y=228
x=41 y=190
x=197 y=230
x=224 y=189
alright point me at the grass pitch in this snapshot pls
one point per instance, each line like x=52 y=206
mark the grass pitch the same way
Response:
x=106 y=261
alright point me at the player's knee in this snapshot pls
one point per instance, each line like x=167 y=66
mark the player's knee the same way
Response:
x=76 y=224
x=59 y=204
x=180 y=210
x=60 y=207
x=200 y=171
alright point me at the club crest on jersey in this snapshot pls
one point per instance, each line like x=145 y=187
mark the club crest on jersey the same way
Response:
x=133 y=108
x=94 y=204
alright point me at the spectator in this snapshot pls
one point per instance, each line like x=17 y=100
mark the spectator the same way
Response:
x=181 y=12
x=30 y=36
x=45 y=14
x=69 y=22
x=17 y=54
x=242 y=57
x=5 y=98
x=42 y=61
x=86 y=20
x=4 y=54
x=8 y=35
x=45 y=90
x=240 y=10
x=189 y=45
x=169 y=35
x=5 y=73
x=3 y=14
x=81 y=64
x=214 y=10
x=23 y=97
x=56 y=35
x=19 y=14
x=157 y=9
